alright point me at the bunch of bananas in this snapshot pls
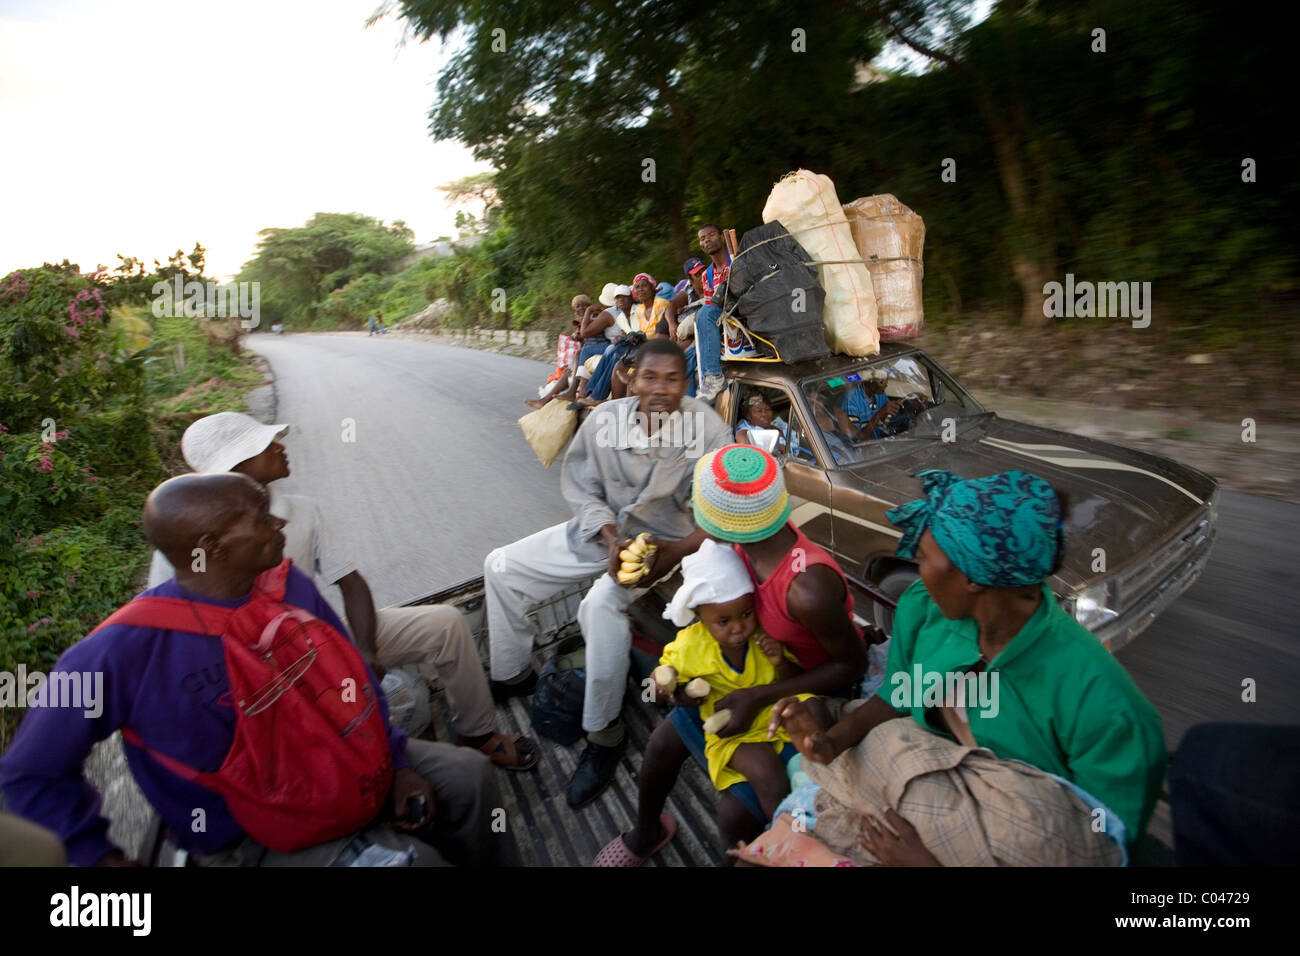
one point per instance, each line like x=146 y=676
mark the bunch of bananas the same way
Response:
x=637 y=558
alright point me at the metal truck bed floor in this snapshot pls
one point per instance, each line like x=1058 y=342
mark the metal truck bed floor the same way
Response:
x=549 y=833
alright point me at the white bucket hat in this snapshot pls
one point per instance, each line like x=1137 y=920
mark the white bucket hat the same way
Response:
x=607 y=294
x=220 y=442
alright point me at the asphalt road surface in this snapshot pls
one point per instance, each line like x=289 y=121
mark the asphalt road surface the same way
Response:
x=438 y=474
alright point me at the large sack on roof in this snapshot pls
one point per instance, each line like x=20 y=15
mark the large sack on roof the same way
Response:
x=806 y=204
x=891 y=238
x=776 y=293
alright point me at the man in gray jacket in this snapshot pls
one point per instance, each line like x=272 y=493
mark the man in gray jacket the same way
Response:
x=628 y=470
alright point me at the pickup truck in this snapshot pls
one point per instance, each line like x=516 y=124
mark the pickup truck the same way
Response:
x=1140 y=526
x=1139 y=533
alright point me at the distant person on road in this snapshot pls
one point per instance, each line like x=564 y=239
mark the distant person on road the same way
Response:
x=434 y=636
x=910 y=776
x=170 y=690
x=623 y=475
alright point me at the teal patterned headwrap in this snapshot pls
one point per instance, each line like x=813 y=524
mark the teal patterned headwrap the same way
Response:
x=1003 y=531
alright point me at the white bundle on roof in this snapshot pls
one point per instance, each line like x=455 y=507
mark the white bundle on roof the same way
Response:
x=805 y=203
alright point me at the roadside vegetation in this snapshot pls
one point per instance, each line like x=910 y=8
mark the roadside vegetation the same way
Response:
x=95 y=392
x=1032 y=144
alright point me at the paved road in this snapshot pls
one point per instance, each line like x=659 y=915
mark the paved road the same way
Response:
x=439 y=474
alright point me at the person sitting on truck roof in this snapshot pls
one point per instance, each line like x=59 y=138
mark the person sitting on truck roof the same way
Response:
x=563 y=380
x=653 y=315
x=1080 y=753
x=602 y=378
x=719 y=642
x=173 y=690
x=708 y=331
x=688 y=302
x=602 y=327
x=624 y=383
x=801 y=600
x=433 y=636
x=628 y=470
x=694 y=290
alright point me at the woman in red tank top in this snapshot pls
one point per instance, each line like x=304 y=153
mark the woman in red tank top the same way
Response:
x=802 y=598
x=772 y=594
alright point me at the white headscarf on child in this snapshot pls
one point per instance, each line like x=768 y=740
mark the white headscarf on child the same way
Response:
x=712 y=575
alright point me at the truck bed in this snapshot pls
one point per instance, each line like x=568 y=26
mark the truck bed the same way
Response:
x=549 y=833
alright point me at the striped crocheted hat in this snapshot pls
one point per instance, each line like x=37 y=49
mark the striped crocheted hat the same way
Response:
x=739 y=494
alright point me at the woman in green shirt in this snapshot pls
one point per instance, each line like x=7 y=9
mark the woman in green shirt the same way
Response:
x=1028 y=743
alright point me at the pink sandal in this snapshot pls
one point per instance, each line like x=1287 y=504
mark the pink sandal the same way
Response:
x=616 y=852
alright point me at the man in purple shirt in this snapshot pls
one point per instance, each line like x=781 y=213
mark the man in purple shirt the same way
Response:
x=171 y=687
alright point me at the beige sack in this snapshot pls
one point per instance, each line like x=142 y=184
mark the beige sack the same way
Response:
x=891 y=238
x=805 y=203
x=549 y=429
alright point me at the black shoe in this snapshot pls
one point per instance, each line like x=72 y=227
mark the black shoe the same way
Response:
x=595 y=772
x=502 y=692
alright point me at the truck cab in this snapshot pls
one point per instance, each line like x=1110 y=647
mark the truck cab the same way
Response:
x=1139 y=530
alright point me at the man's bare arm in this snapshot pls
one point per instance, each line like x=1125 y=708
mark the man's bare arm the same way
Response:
x=359 y=607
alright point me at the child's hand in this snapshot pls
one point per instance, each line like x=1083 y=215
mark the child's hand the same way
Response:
x=772 y=649
x=665 y=681
x=744 y=705
x=681 y=699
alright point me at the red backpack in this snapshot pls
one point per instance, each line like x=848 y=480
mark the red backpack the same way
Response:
x=310 y=759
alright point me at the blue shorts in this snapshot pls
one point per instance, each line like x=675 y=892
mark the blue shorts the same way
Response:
x=690 y=727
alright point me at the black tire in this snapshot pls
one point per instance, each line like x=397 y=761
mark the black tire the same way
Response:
x=894 y=584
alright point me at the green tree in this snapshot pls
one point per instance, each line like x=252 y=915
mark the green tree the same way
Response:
x=610 y=117
x=301 y=266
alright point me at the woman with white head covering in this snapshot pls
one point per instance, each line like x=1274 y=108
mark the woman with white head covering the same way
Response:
x=719 y=649
x=602 y=328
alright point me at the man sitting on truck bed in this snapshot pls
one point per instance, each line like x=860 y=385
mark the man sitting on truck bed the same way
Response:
x=172 y=688
x=628 y=470
x=435 y=637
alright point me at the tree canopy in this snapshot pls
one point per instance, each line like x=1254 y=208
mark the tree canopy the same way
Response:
x=1120 y=154
x=300 y=266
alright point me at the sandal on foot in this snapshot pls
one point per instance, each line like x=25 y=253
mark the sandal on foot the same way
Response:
x=505 y=751
x=616 y=852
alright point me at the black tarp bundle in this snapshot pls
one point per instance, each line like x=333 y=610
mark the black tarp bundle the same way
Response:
x=767 y=282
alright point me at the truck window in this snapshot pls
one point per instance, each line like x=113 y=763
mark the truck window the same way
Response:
x=769 y=410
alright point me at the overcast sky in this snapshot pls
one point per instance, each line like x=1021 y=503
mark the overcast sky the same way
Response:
x=141 y=126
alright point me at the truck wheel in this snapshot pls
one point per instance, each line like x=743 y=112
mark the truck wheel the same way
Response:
x=894 y=584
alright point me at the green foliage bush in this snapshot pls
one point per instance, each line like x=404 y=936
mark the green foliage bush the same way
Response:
x=88 y=425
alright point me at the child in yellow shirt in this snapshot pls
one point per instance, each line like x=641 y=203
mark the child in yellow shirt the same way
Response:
x=726 y=648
